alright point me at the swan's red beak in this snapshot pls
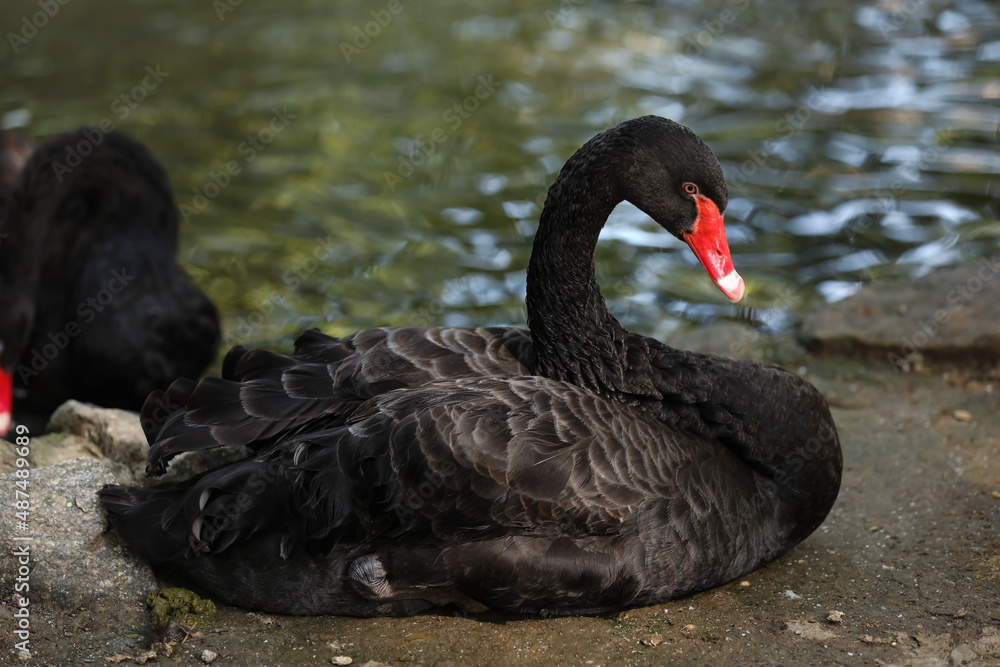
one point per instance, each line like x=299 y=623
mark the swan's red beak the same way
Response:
x=6 y=400
x=708 y=241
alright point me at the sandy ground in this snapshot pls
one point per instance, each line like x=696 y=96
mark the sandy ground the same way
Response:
x=910 y=556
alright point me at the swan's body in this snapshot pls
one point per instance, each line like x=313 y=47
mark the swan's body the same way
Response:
x=576 y=468
x=93 y=305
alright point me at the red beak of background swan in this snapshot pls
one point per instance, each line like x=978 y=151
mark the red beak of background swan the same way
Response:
x=708 y=241
x=6 y=398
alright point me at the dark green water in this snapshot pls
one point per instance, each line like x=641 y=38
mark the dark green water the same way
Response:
x=408 y=145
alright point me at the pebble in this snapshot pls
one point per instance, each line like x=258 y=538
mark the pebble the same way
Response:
x=835 y=616
x=962 y=415
x=744 y=584
x=208 y=656
x=341 y=660
x=143 y=658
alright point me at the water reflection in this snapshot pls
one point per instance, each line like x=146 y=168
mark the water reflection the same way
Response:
x=858 y=140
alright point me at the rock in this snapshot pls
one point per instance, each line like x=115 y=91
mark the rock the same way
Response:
x=950 y=319
x=208 y=656
x=47 y=450
x=811 y=630
x=835 y=616
x=73 y=561
x=962 y=654
x=117 y=435
x=341 y=660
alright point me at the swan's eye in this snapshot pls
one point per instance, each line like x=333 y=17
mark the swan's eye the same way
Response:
x=691 y=188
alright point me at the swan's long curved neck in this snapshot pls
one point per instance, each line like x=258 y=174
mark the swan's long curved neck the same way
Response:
x=575 y=338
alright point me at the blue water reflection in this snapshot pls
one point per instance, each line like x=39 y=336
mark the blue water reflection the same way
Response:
x=859 y=140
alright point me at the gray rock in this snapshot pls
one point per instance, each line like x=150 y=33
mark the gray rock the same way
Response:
x=73 y=560
x=47 y=450
x=117 y=434
x=946 y=318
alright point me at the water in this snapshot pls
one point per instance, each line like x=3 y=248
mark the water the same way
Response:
x=859 y=141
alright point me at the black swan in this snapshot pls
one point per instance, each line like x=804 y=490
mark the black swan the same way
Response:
x=574 y=468
x=93 y=305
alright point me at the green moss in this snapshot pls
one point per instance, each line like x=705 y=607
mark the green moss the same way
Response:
x=180 y=603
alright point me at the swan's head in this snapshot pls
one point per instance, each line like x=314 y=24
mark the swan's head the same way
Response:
x=89 y=183
x=673 y=177
x=83 y=197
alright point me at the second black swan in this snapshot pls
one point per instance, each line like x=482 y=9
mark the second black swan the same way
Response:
x=575 y=467
x=93 y=304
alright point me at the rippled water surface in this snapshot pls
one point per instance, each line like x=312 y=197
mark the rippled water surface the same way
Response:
x=388 y=159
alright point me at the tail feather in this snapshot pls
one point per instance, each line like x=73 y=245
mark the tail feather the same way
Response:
x=132 y=511
x=231 y=361
x=208 y=514
x=223 y=413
